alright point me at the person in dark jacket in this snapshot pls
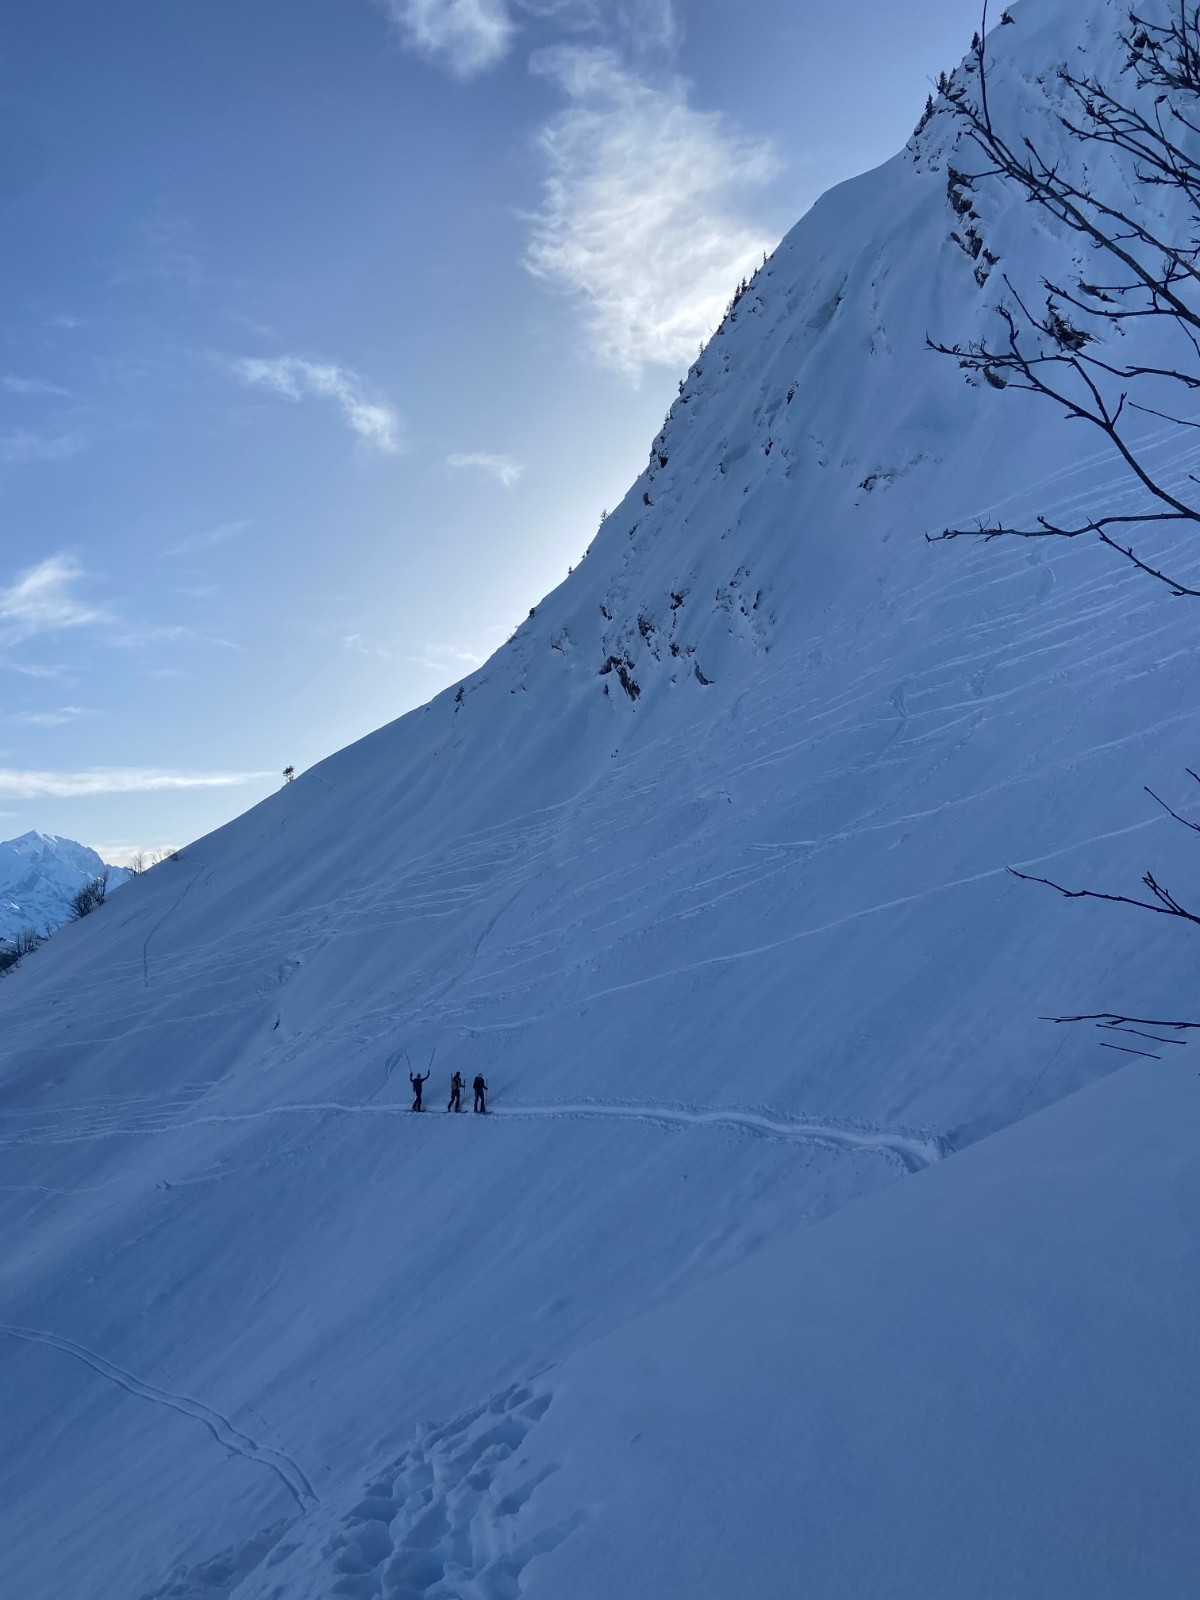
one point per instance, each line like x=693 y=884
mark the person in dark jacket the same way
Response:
x=418 y=1084
x=480 y=1088
x=456 y=1089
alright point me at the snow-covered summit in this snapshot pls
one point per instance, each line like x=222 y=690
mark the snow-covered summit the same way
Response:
x=705 y=871
x=39 y=872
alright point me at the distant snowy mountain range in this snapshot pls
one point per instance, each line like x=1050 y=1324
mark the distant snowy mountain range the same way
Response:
x=39 y=872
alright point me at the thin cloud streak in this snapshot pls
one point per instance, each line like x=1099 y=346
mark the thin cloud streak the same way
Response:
x=33 y=386
x=642 y=222
x=56 y=718
x=22 y=445
x=24 y=784
x=377 y=422
x=31 y=670
x=504 y=469
x=443 y=658
x=191 y=543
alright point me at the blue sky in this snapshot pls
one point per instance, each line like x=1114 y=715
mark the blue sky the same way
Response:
x=332 y=327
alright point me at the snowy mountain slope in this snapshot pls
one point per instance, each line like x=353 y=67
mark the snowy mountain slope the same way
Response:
x=39 y=872
x=705 y=870
x=934 y=1393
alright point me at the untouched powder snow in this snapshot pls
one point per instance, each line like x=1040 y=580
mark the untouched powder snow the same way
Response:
x=706 y=872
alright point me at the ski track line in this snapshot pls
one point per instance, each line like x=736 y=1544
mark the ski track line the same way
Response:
x=913 y=1151
x=497 y=848
x=285 y=1469
x=175 y=904
x=732 y=956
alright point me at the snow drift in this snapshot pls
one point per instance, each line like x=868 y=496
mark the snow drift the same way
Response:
x=706 y=872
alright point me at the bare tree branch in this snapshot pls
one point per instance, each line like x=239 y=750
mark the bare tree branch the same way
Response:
x=1194 y=826
x=1167 y=905
x=1113 y=1017
x=1138 y=1034
x=1157 y=272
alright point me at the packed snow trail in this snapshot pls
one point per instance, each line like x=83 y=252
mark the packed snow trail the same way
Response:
x=223 y=1431
x=913 y=1151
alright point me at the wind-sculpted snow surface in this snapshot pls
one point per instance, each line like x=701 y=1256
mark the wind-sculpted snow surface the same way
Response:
x=705 y=871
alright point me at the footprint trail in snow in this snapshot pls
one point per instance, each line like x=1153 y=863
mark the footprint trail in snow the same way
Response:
x=447 y=1519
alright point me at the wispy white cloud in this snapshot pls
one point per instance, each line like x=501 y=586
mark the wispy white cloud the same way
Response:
x=24 y=445
x=361 y=644
x=468 y=37
x=650 y=26
x=29 y=669
x=15 y=384
x=504 y=469
x=205 y=539
x=446 y=658
x=465 y=36
x=377 y=422
x=25 y=784
x=64 y=321
x=43 y=600
x=143 y=635
x=643 y=218
x=579 y=15
x=56 y=718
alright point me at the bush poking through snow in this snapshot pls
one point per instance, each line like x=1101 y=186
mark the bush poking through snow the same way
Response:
x=88 y=896
x=24 y=942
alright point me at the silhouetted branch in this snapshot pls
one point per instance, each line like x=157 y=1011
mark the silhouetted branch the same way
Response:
x=1194 y=826
x=1114 y=1018
x=1158 y=275
x=1167 y=905
x=1138 y=1034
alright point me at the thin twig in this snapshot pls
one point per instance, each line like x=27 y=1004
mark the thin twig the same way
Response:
x=1181 y=1043
x=1112 y=1016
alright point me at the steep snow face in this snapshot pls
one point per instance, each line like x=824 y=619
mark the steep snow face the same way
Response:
x=39 y=872
x=705 y=871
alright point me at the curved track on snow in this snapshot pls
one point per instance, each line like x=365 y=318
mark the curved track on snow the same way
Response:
x=914 y=1151
x=223 y=1431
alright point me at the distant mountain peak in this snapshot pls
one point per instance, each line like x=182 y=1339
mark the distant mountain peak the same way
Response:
x=39 y=872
